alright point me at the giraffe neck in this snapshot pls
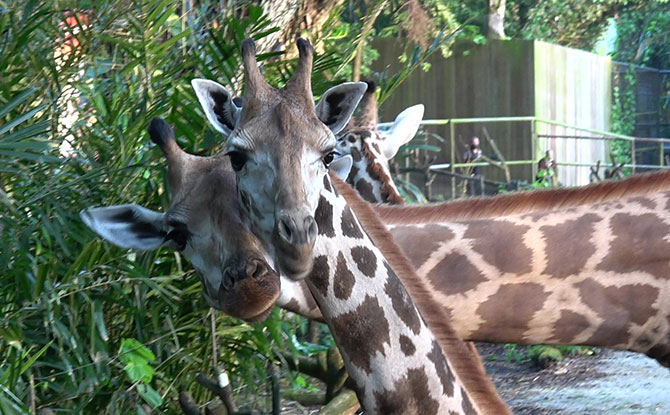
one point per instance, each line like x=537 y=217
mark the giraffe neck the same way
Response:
x=393 y=357
x=370 y=174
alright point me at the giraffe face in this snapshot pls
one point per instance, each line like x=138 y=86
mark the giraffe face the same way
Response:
x=280 y=148
x=207 y=224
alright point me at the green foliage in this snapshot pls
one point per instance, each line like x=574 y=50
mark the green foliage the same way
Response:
x=542 y=355
x=643 y=35
x=576 y=23
x=623 y=116
x=68 y=299
x=411 y=162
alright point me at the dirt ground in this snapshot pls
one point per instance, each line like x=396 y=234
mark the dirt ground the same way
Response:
x=607 y=382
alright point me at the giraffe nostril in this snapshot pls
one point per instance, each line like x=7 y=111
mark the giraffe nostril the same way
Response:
x=284 y=230
x=256 y=268
x=228 y=281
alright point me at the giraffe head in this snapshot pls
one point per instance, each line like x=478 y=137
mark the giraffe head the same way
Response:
x=280 y=147
x=371 y=149
x=205 y=223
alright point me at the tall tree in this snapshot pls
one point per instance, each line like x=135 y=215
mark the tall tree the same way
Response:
x=495 y=19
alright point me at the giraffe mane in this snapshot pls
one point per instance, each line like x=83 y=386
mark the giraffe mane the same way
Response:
x=377 y=172
x=526 y=202
x=464 y=362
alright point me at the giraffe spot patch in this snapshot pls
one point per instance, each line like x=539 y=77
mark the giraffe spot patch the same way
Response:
x=376 y=147
x=568 y=326
x=365 y=260
x=320 y=275
x=364 y=330
x=365 y=190
x=436 y=356
x=356 y=154
x=352 y=173
x=418 y=250
x=486 y=235
x=644 y=202
x=507 y=312
x=344 y=280
x=410 y=395
x=569 y=245
x=638 y=245
x=620 y=307
x=326 y=183
x=455 y=274
x=406 y=345
x=402 y=302
x=324 y=218
x=349 y=226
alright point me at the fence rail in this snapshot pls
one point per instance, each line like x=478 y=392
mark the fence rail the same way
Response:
x=594 y=134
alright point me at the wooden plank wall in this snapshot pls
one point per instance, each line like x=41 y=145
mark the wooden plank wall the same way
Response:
x=573 y=87
x=507 y=78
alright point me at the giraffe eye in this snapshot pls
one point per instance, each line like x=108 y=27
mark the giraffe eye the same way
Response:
x=328 y=158
x=237 y=159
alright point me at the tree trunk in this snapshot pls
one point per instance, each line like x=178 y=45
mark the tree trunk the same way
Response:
x=295 y=17
x=495 y=20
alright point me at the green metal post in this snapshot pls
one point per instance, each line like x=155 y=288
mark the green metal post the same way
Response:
x=533 y=148
x=452 y=140
x=632 y=154
x=660 y=154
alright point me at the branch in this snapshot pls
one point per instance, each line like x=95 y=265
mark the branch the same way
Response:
x=365 y=31
x=187 y=404
x=345 y=403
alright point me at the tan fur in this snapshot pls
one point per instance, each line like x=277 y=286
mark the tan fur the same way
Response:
x=466 y=366
x=524 y=202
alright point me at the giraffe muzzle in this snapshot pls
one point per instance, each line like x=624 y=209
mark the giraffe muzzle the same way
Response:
x=248 y=290
x=293 y=234
x=294 y=240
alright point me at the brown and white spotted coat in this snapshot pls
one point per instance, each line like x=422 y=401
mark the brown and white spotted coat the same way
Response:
x=395 y=361
x=554 y=279
x=374 y=321
x=371 y=148
x=585 y=266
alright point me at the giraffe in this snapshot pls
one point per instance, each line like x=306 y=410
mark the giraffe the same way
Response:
x=371 y=148
x=212 y=231
x=586 y=265
x=280 y=149
x=477 y=283
x=452 y=248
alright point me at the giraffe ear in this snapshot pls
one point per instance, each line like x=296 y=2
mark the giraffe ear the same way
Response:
x=338 y=103
x=218 y=104
x=402 y=131
x=342 y=166
x=127 y=226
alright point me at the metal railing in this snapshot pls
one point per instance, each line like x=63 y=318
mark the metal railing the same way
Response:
x=534 y=121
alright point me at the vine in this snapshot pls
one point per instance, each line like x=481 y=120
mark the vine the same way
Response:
x=623 y=114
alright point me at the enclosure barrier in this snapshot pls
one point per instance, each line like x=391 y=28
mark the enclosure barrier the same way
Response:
x=534 y=121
